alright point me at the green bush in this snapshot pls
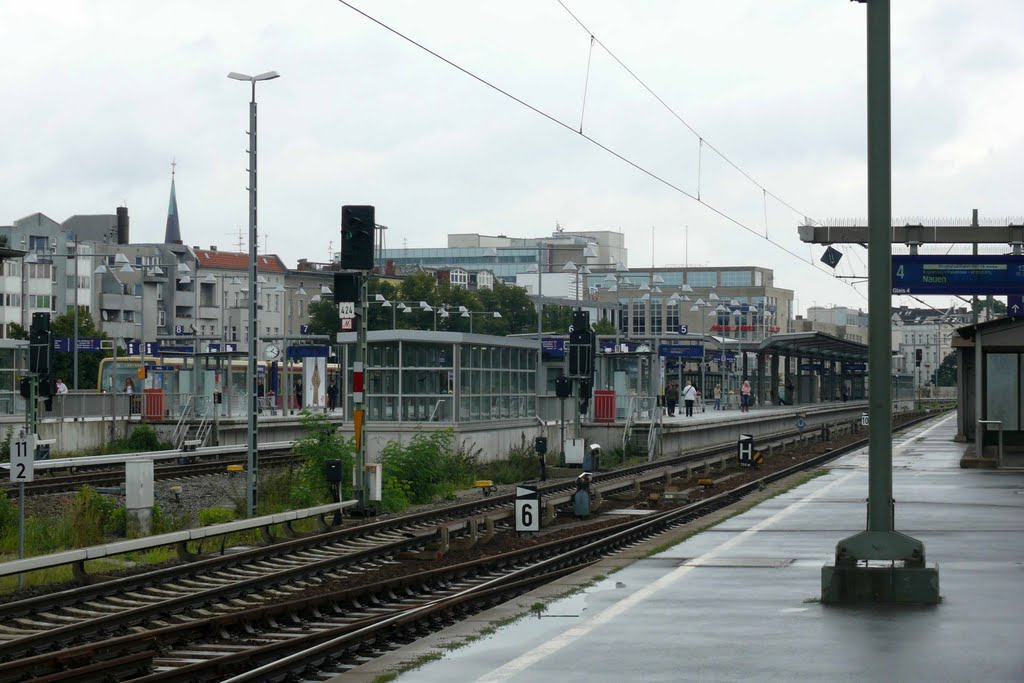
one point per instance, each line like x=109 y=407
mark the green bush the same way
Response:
x=8 y=514
x=145 y=438
x=395 y=495
x=520 y=464
x=429 y=465
x=322 y=443
x=211 y=516
x=91 y=516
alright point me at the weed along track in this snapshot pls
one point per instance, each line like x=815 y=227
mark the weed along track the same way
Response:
x=329 y=600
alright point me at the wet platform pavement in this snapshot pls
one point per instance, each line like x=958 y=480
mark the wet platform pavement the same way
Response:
x=739 y=601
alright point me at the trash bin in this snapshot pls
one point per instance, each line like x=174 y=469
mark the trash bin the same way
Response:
x=153 y=404
x=604 y=406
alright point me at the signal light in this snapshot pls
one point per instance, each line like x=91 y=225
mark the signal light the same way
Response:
x=357 y=227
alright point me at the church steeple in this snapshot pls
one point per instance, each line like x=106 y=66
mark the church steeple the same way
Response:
x=172 y=234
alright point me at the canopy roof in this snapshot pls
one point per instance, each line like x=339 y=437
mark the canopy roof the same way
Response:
x=815 y=345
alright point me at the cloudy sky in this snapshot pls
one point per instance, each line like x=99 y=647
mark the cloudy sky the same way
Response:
x=100 y=96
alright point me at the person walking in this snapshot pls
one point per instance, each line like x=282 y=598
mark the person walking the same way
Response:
x=718 y=397
x=672 y=399
x=689 y=395
x=745 y=393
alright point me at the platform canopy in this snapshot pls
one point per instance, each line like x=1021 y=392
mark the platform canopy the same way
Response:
x=815 y=345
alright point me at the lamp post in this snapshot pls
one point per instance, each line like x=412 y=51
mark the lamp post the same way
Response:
x=251 y=448
x=470 y=314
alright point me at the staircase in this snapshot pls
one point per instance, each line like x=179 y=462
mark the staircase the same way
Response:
x=190 y=435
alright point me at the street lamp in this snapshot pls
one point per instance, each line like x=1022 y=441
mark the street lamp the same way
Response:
x=251 y=448
x=470 y=314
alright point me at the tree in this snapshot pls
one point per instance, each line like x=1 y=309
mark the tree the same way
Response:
x=604 y=326
x=323 y=318
x=63 y=326
x=16 y=331
x=998 y=308
x=945 y=376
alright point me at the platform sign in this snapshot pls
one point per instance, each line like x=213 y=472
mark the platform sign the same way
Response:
x=681 y=350
x=152 y=348
x=303 y=329
x=856 y=367
x=23 y=455
x=684 y=329
x=957 y=274
x=527 y=508
x=179 y=329
x=1015 y=304
x=745 y=450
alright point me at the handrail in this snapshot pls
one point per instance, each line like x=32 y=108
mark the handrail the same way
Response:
x=434 y=411
x=630 y=408
x=652 y=435
x=94 y=460
x=181 y=429
x=97 y=551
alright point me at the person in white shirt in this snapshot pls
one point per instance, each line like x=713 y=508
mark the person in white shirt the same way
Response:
x=61 y=387
x=689 y=396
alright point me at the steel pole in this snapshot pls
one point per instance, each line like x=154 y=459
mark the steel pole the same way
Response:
x=251 y=448
x=880 y=517
x=74 y=354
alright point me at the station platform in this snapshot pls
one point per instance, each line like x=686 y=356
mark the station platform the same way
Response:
x=740 y=600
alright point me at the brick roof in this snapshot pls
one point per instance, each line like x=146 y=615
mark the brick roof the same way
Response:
x=229 y=260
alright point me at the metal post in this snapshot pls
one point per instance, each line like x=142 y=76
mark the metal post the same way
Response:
x=359 y=397
x=252 y=448
x=285 y=393
x=909 y=580
x=21 y=528
x=74 y=354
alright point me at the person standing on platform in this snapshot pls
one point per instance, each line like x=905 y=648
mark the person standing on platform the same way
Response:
x=718 y=397
x=61 y=387
x=745 y=394
x=790 y=397
x=672 y=399
x=689 y=395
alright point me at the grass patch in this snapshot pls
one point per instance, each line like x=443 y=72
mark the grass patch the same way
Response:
x=411 y=665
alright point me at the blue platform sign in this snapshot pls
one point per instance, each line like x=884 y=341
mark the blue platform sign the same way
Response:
x=67 y=344
x=683 y=329
x=229 y=347
x=856 y=367
x=303 y=329
x=552 y=349
x=152 y=348
x=1015 y=304
x=308 y=351
x=958 y=274
x=681 y=350
x=179 y=329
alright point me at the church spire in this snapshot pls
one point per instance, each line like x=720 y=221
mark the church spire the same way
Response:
x=172 y=234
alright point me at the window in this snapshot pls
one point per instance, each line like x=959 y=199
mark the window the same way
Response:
x=38 y=243
x=277 y=302
x=655 y=327
x=161 y=318
x=672 y=318
x=758 y=278
x=160 y=291
x=638 y=317
x=703 y=278
x=736 y=278
x=206 y=294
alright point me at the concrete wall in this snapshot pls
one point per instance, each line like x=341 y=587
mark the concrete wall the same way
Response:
x=81 y=435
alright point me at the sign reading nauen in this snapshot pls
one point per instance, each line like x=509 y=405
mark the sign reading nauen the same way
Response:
x=957 y=274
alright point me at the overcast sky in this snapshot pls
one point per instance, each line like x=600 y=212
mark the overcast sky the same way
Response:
x=100 y=96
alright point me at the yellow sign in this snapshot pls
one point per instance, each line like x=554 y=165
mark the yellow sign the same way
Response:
x=357 y=419
x=141 y=373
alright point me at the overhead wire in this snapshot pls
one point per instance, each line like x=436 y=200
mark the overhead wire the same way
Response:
x=620 y=156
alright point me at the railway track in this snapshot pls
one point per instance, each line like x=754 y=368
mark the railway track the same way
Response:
x=244 y=588
x=114 y=476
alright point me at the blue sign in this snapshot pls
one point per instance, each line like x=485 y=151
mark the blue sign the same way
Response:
x=856 y=367
x=1015 y=304
x=729 y=358
x=811 y=366
x=958 y=274
x=681 y=350
x=152 y=348
x=173 y=349
x=229 y=347
x=800 y=424
x=308 y=351
x=179 y=329
x=552 y=349
x=683 y=329
x=303 y=329
x=67 y=344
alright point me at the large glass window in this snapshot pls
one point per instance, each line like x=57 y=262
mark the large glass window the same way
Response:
x=702 y=278
x=736 y=278
x=638 y=318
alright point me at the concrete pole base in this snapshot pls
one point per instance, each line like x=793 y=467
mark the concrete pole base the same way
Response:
x=883 y=584
x=139 y=522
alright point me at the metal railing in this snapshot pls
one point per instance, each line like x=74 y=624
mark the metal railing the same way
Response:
x=181 y=428
x=78 y=405
x=652 y=435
